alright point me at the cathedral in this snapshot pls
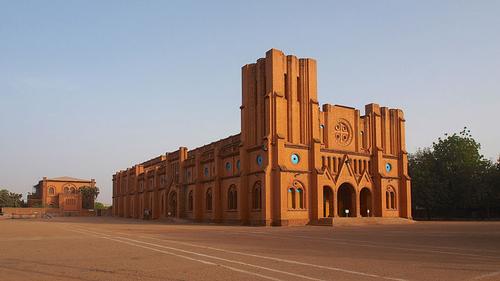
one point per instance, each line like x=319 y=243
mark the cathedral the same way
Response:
x=294 y=162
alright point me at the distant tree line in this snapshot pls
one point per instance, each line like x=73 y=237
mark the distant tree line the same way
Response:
x=452 y=179
x=10 y=199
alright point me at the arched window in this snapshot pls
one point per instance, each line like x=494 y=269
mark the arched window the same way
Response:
x=296 y=196
x=300 y=198
x=73 y=190
x=393 y=200
x=390 y=198
x=257 y=196
x=66 y=190
x=51 y=191
x=291 y=198
x=208 y=198
x=387 y=199
x=232 y=198
x=190 y=200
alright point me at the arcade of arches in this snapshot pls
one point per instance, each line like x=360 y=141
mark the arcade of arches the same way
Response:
x=347 y=202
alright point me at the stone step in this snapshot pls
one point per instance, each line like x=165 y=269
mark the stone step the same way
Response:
x=337 y=221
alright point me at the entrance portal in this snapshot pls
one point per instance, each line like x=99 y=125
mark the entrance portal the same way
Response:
x=327 y=202
x=365 y=201
x=346 y=201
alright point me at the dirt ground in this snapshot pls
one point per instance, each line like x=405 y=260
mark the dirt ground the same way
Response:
x=126 y=249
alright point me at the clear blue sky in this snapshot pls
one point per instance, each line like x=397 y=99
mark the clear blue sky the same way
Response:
x=91 y=87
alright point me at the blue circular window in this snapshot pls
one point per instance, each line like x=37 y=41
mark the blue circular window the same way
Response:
x=228 y=166
x=388 y=167
x=295 y=158
x=238 y=164
x=259 y=160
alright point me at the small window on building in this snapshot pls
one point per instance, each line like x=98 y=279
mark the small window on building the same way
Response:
x=295 y=198
x=390 y=198
x=259 y=160
x=291 y=198
x=300 y=198
x=232 y=198
x=257 y=196
x=388 y=167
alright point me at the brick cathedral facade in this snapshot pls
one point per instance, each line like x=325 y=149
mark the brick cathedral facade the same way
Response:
x=293 y=163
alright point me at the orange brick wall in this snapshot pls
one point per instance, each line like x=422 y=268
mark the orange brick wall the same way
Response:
x=310 y=162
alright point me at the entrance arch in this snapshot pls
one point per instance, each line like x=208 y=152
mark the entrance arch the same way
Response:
x=327 y=202
x=365 y=202
x=172 y=204
x=346 y=200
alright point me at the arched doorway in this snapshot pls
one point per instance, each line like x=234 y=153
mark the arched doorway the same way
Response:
x=346 y=200
x=172 y=204
x=327 y=202
x=365 y=202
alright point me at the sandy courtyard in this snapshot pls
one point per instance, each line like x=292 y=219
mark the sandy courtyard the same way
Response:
x=125 y=249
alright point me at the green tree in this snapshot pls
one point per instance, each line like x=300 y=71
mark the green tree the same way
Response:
x=426 y=187
x=490 y=193
x=89 y=194
x=10 y=199
x=452 y=178
x=99 y=206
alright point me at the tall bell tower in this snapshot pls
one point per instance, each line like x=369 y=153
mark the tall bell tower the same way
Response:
x=279 y=113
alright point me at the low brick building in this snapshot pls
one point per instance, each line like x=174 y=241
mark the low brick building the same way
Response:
x=62 y=194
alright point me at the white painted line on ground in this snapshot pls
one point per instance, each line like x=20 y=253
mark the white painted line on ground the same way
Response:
x=177 y=255
x=433 y=246
x=372 y=244
x=278 y=259
x=217 y=258
x=368 y=244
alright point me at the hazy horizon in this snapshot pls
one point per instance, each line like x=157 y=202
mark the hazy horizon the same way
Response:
x=88 y=88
